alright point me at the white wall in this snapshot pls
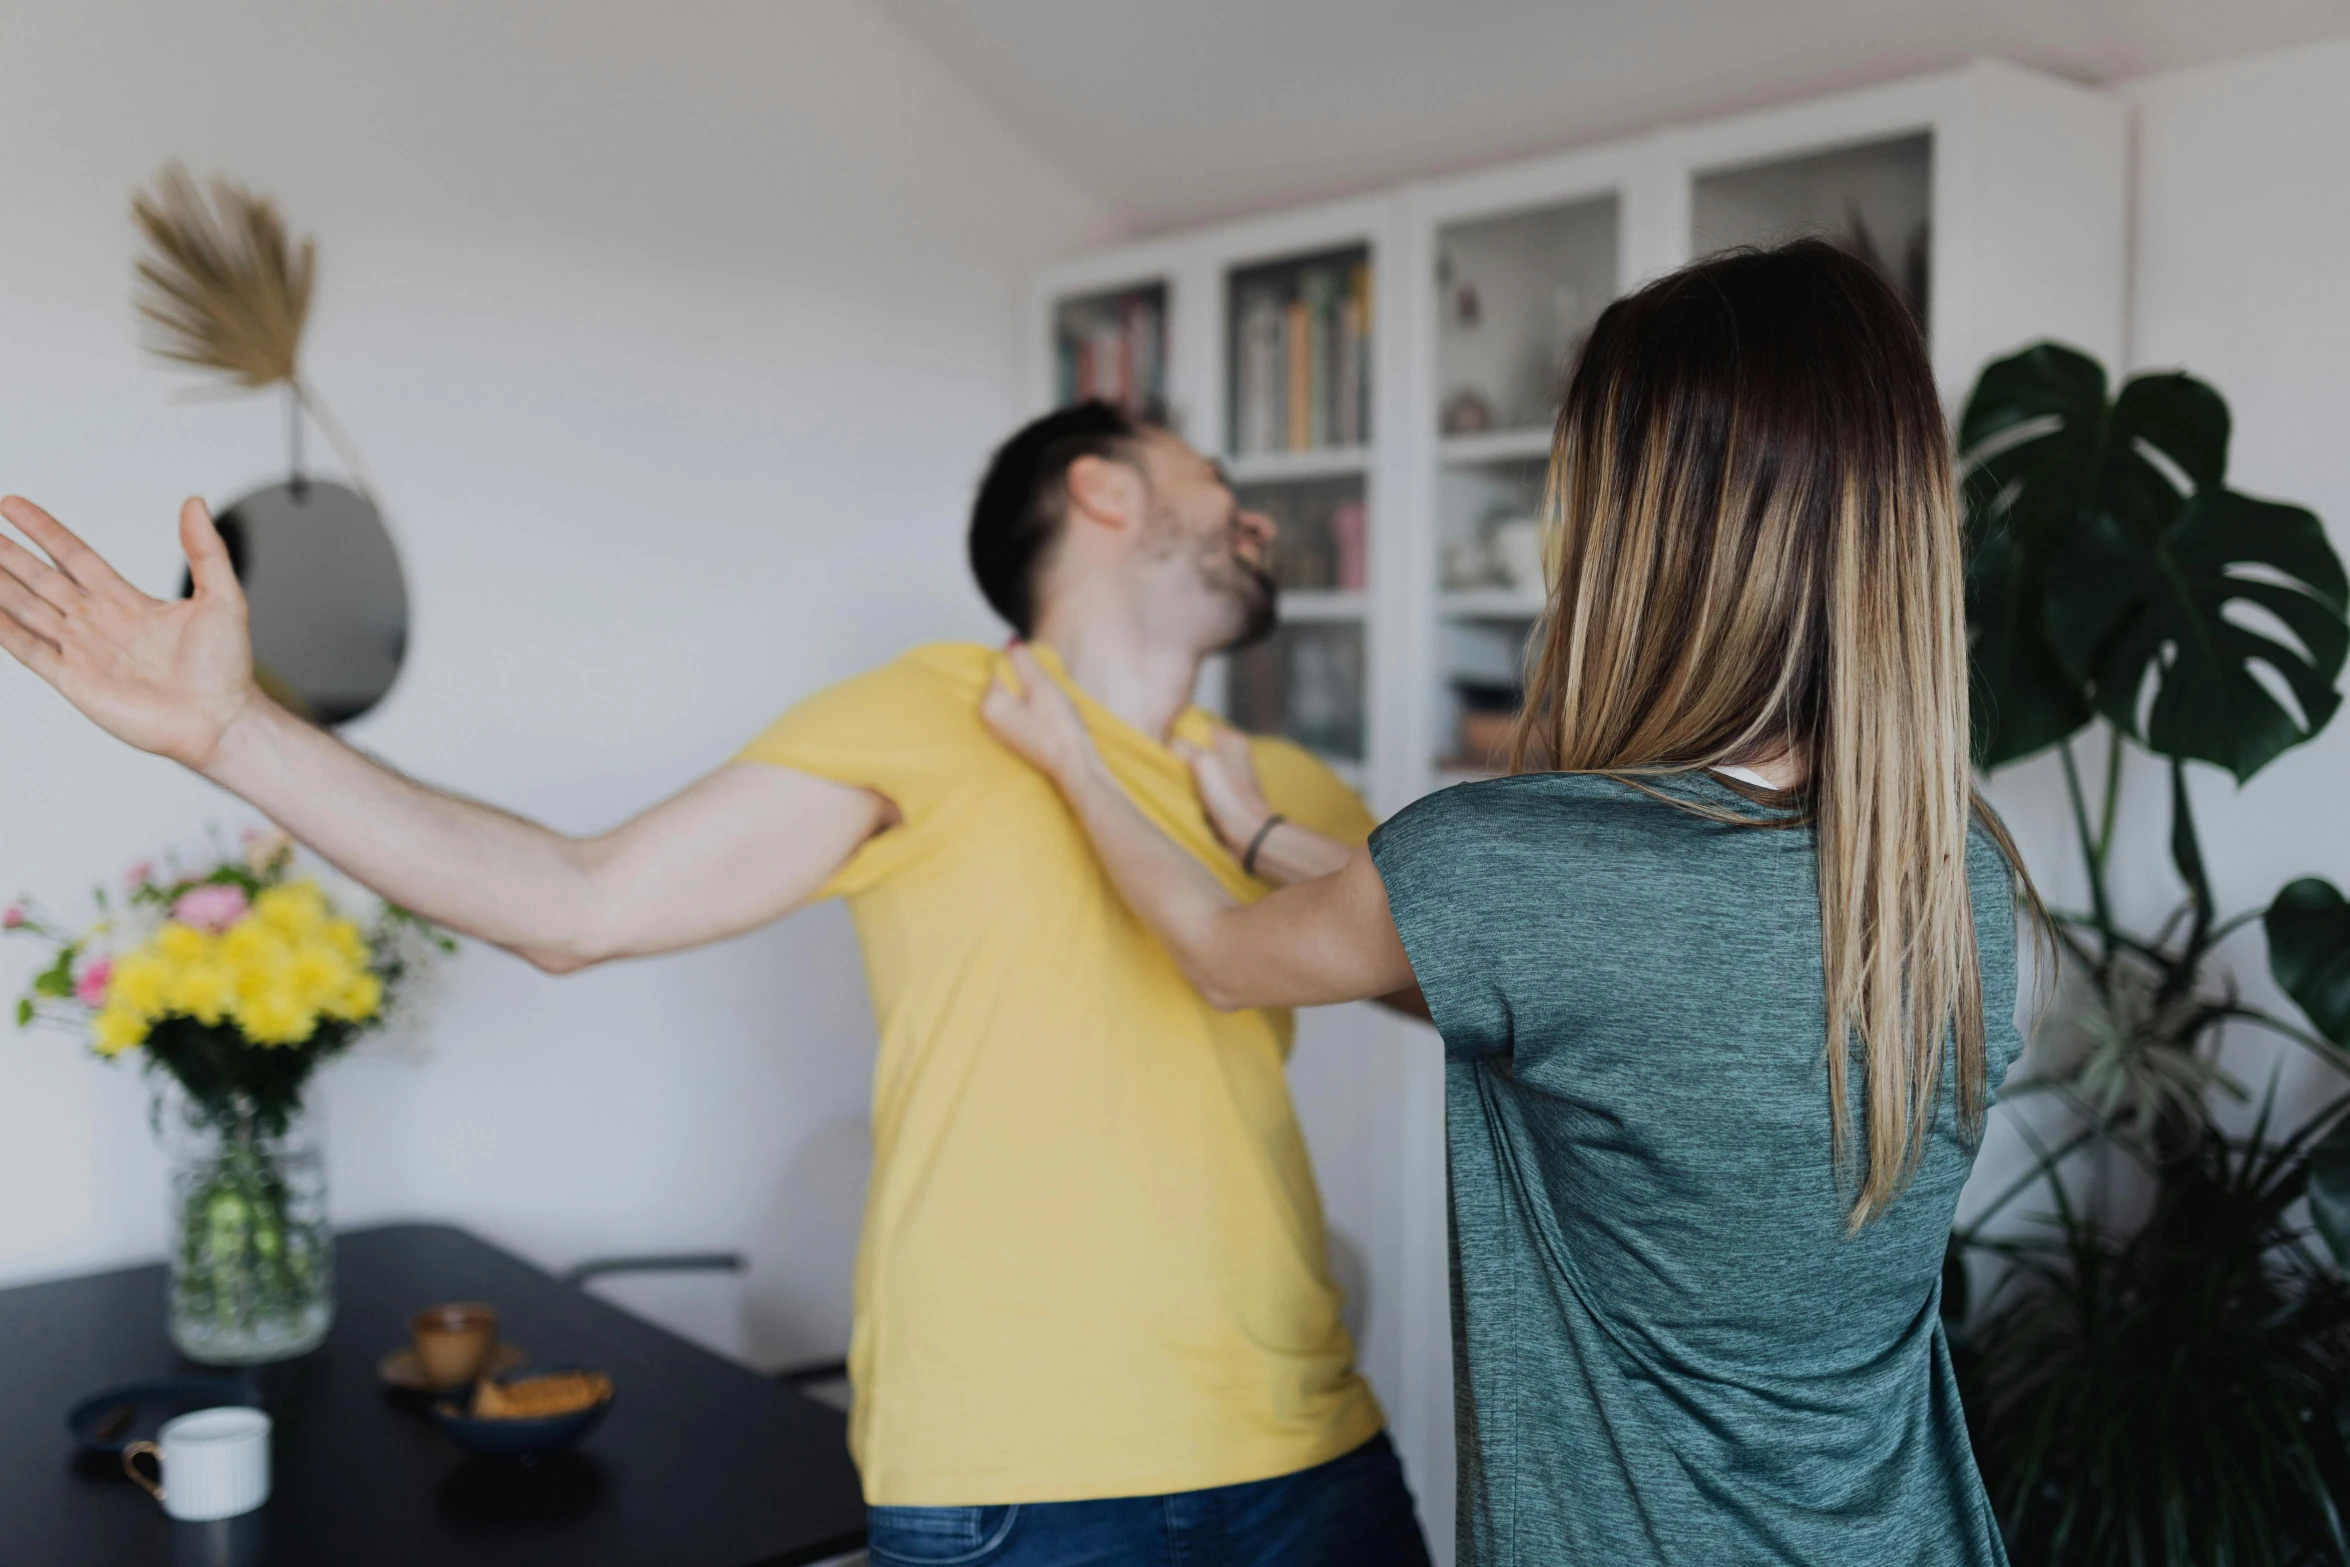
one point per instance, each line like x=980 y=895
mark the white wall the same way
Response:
x=675 y=336
x=2242 y=256
x=2240 y=228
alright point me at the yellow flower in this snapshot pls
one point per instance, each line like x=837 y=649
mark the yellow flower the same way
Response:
x=139 y=986
x=296 y=910
x=358 y=1000
x=257 y=957
x=176 y=943
x=276 y=1017
x=317 y=973
x=344 y=939
x=114 y=1030
x=203 y=990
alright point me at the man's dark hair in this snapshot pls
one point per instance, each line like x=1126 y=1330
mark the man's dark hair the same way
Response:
x=1024 y=498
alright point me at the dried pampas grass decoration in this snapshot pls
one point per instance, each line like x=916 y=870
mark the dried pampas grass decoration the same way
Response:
x=222 y=288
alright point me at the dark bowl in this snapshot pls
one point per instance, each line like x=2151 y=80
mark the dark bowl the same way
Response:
x=519 y=1438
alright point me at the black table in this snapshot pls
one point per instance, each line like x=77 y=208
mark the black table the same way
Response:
x=699 y=1464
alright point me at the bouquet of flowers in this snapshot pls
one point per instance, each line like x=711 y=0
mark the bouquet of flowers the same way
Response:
x=235 y=977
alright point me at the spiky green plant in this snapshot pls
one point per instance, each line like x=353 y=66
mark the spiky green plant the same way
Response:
x=2175 y=1392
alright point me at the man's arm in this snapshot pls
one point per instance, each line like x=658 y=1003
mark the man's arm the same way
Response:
x=175 y=677
x=1327 y=939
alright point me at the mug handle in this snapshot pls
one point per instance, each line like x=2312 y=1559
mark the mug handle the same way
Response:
x=131 y=1454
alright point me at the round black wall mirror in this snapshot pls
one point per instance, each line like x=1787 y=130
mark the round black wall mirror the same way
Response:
x=329 y=604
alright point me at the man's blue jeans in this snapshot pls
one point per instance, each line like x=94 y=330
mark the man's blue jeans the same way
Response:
x=1350 y=1512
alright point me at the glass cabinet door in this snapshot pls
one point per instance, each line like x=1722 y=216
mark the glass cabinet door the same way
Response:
x=1516 y=293
x=1112 y=345
x=1874 y=200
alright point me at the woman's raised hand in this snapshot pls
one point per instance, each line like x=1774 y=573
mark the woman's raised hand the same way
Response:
x=166 y=675
x=1039 y=721
x=1226 y=777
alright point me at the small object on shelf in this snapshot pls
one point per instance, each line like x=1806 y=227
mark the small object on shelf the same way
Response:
x=1467 y=412
x=1489 y=711
x=1468 y=563
x=1521 y=551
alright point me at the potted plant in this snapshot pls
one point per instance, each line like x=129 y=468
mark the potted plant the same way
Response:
x=232 y=979
x=2160 y=1372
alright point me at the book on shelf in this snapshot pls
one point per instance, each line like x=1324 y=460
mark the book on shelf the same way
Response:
x=1301 y=376
x=1114 y=348
x=1348 y=543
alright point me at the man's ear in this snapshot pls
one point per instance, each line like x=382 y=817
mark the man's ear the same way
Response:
x=1106 y=492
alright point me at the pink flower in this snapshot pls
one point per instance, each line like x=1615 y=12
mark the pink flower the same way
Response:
x=90 y=988
x=210 y=908
x=138 y=875
x=12 y=916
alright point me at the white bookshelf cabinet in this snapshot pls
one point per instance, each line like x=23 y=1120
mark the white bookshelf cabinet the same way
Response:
x=1995 y=198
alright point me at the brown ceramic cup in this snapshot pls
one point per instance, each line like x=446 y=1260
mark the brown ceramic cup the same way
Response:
x=454 y=1342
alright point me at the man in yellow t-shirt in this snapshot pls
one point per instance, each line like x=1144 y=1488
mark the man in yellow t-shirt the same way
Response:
x=1095 y=1320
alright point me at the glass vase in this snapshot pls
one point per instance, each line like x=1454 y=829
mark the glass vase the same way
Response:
x=251 y=1258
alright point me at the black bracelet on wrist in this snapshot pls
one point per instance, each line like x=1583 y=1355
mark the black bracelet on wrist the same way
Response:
x=1248 y=856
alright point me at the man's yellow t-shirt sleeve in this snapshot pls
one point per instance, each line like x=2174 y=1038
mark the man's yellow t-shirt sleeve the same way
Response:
x=904 y=731
x=1301 y=786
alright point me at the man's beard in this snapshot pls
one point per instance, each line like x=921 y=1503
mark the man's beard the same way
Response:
x=1247 y=592
x=1256 y=601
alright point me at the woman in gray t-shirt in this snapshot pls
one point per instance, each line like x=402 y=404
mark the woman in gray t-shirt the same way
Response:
x=1725 y=970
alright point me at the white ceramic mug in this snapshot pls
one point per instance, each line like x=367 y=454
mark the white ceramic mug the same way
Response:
x=210 y=1463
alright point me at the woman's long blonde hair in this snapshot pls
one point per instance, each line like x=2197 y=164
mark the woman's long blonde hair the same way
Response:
x=1759 y=554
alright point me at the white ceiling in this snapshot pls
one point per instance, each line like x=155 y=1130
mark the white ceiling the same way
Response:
x=1176 y=111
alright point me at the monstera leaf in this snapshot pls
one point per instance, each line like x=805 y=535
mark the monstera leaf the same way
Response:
x=2309 y=953
x=2029 y=439
x=2329 y=1192
x=2092 y=574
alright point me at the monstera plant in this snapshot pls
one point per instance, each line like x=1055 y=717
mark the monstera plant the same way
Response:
x=2171 y=1389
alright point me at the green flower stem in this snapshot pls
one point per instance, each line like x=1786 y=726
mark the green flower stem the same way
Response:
x=240 y=1266
x=2092 y=855
x=2113 y=795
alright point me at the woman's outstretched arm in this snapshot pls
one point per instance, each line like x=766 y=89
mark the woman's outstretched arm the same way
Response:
x=1323 y=940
